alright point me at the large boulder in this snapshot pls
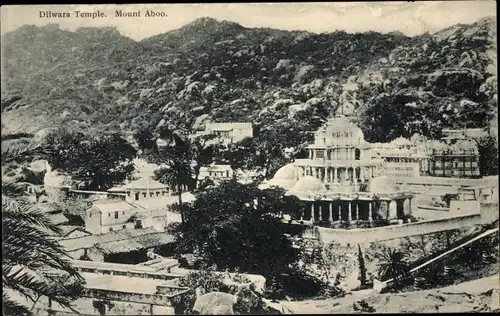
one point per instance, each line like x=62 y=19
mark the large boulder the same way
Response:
x=304 y=73
x=215 y=303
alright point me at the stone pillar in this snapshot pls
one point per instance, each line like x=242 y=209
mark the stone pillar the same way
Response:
x=330 y=212
x=361 y=174
x=406 y=206
x=302 y=214
x=334 y=170
x=320 y=217
x=312 y=212
x=370 y=215
x=346 y=174
x=340 y=213
x=349 y=214
x=357 y=211
x=393 y=210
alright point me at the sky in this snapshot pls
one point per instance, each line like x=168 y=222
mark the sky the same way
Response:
x=410 y=18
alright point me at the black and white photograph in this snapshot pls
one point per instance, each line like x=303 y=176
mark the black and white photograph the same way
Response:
x=250 y=158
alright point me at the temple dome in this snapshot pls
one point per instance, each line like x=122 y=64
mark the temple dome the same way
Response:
x=285 y=173
x=308 y=185
x=339 y=130
x=382 y=184
x=283 y=178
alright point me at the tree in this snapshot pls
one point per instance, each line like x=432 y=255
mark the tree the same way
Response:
x=176 y=175
x=362 y=267
x=195 y=152
x=34 y=265
x=99 y=161
x=265 y=152
x=392 y=264
x=488 y=155
x=236 y=226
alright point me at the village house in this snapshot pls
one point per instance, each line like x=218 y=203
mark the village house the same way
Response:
x=144 y=188
x=216 y=173
x=228 y=133
x=144 y=204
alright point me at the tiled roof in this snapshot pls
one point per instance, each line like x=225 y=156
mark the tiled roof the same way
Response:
x=111 y=237
x=136 y=243
x=58 y=218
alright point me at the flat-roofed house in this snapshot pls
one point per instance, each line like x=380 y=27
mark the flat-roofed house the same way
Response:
x=216 y=173
x=144 y=188
x=229 y=132
x=111 y=215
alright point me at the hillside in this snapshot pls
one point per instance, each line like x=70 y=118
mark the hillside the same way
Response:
x=226 y=72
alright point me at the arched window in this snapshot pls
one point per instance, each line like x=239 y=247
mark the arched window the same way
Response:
x=357 y=154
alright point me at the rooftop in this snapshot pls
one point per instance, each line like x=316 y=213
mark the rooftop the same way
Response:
x=163 y=202
x=111 y=237
x=217 y=168
x=141 y=184
x=105 y=206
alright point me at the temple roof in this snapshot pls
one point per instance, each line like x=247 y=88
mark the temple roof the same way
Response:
x=308 y=185
x=382 y=185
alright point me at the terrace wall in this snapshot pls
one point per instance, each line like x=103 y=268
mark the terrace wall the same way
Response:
x=368 y=235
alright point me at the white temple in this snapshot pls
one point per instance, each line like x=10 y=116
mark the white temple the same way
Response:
x=341 y=182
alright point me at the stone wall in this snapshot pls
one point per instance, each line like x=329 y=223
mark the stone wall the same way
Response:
x=415 y=247
x=368 y=235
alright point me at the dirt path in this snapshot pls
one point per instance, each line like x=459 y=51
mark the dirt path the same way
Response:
x=466 y=297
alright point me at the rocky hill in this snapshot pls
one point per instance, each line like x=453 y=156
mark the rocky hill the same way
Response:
x=220 y=70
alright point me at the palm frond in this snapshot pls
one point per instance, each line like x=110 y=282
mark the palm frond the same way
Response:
x=10 y=187
x=21 y=211
x=60 y=289
x=30 y=246
x=17 y=151
x=11 y=308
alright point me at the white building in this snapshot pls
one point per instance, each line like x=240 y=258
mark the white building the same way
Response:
x=145 y=188
x=228 y=132
x=216 y=173
x=145 y=202
x=111 y=215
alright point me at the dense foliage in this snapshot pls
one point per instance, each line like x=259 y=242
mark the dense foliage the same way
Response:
x=98 y=161
x=222 y=71
x=234 y=227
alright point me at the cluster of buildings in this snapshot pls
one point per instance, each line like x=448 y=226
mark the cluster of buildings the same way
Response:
x=348 y=180
x=340 y=182
x=139 y=204
x=419 y=156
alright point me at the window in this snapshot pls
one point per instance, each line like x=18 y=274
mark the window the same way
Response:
x=151 y=194
x=157 y=193
x=128 y=193
x=145 y=195
x=123 y=213
x=116 y=214
x=111 y=229
x=137 y=196
x=124 y=226
x=90 y=214
x=109 y=214
x=163 y=193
